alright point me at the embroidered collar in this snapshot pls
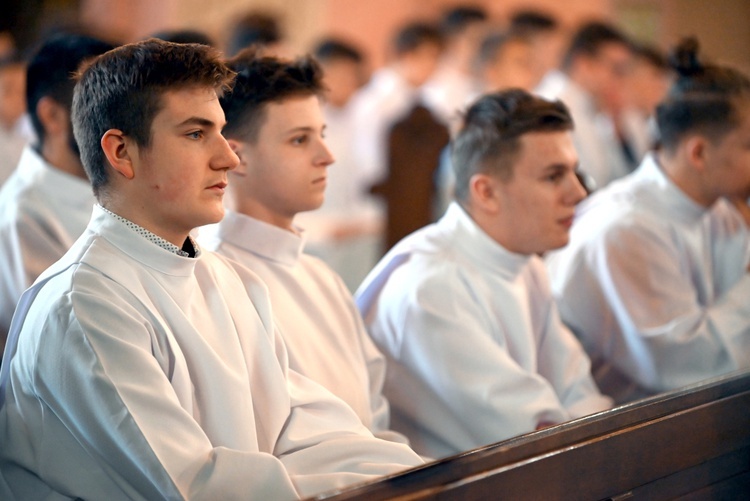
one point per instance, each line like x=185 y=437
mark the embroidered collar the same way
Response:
x=189 y=245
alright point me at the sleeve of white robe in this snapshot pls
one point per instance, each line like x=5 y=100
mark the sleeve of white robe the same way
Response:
x=562 y=359
x=376 y=367
x=28 y=248
x=447 y=341
x=113 y=396
x=669 y=339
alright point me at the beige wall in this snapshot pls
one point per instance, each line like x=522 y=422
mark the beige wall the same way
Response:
x=721 y=25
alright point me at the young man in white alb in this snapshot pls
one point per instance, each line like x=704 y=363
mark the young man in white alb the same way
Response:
x=462 y=308
x=276 y=127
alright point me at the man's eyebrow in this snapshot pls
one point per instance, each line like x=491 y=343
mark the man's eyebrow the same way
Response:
x=205 y=122
x=304 y=128
x=561 y=165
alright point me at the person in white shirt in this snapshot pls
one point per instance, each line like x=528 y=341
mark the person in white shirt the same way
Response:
x=448 y=90
x=390 y=95
x=139 y=366
x=547 y=37
x=12 y=109
x=462 y=309
x=275 y=125
x=655 y=279
x=593 y=74
x=46 y=202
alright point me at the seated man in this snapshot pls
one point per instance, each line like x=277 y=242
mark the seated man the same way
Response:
x=476 y=351
x=46 y=203
x=276 y=128
x=654 y=281
x=139 y=367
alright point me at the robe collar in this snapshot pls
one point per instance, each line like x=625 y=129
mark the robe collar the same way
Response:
x=464 y=234
x=262 y=239
x=113 y=229
x=667 y=196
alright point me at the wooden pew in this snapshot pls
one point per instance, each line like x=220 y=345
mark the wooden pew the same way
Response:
x=414 y=146
x=692 y=443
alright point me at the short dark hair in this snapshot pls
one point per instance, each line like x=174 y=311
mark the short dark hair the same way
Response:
x=703 y=99
x=456 y=19
x=589 y=38
x=123 y=90
x=261 y=80
x=532 y=22
x=415 y=34
x=489 y=138
x=254 y=29
x=51 y=70
x=330 y=49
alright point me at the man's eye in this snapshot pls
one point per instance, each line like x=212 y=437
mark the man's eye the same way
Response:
x=299 y=140
x=195 y=134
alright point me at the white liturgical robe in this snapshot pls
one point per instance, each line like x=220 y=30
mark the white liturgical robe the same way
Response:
x=43 y=210
x=655 y=286
x=475 y=348
x=135 y=373
x=316 y=315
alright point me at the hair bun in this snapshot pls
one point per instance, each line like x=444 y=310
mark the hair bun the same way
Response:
x=684 y=58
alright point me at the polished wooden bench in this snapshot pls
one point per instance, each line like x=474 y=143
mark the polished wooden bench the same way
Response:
x=693 y=443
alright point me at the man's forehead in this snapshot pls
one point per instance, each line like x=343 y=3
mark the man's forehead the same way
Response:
x=543 y=149
x=180 y=104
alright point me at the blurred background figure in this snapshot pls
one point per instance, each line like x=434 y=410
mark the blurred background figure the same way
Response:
x=647 y=85
x=449 y=88
x=261 y=30
x=392 y=94
x=505 y=59
x=12 y=109
x=594 y=73
x=546 y=36
x=345 y=231
x=46 y=202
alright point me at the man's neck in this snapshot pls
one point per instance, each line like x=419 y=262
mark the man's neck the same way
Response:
x=63 y=159
x=253 y=209
x=685 y=178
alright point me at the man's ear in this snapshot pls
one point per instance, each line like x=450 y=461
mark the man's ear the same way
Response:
x=53 y=116
x=483 y=193
x=238 y=147
x=118 y=150
x=696 y=149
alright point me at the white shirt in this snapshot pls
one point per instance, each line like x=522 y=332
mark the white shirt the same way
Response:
x=322 y=328
x=43 y=210
x=449 y=92
x=135 y=373
x=476 y=351
x=655 y=286
x=12 y=144
x=599 y=151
